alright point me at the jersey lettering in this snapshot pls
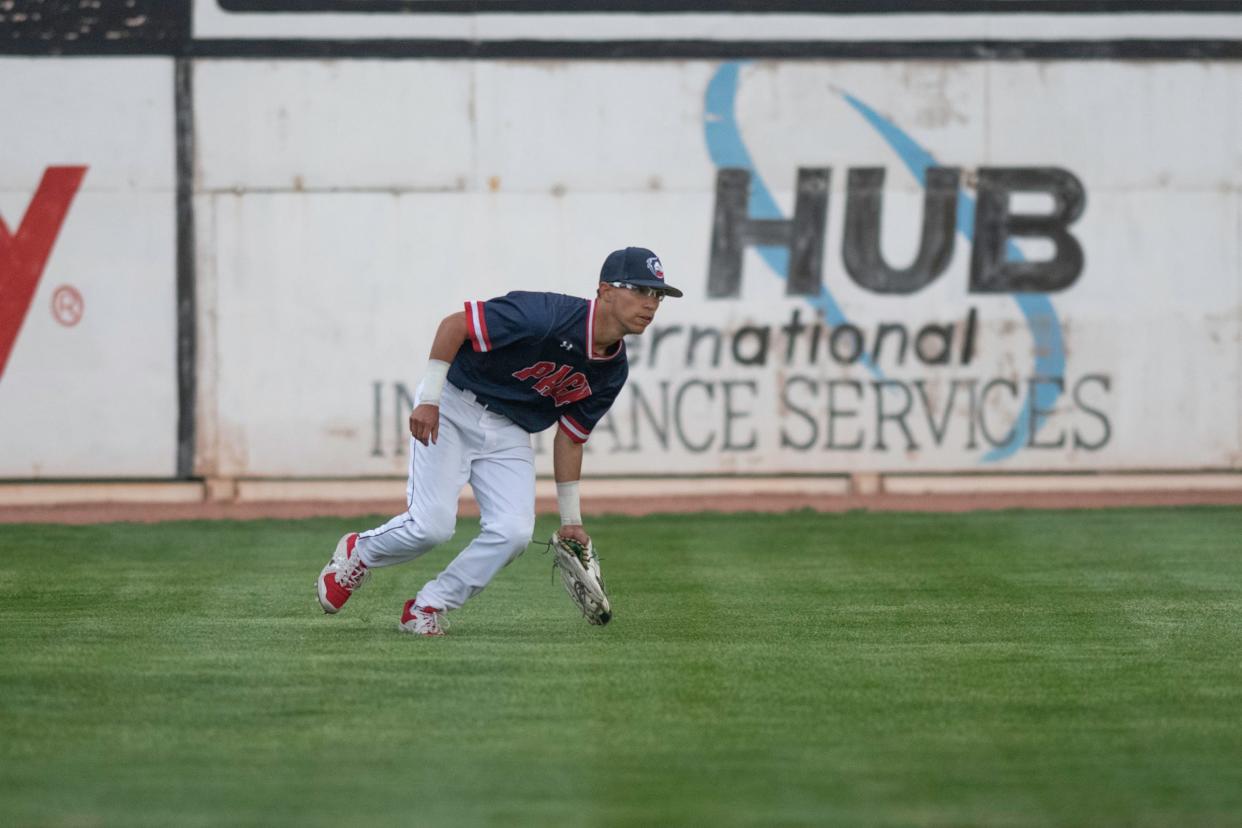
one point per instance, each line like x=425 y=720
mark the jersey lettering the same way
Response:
x=539 y=369
x=562 y=384
x=548 y=385
x=571 y=390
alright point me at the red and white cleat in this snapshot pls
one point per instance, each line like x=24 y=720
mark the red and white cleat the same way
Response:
x=423 y=620
x=344 y=574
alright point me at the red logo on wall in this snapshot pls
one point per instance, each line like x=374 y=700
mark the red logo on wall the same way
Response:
x=24 y=254
x=67 y=305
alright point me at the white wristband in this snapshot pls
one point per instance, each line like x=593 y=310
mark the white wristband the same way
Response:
x=433 y=382
x=567 y=499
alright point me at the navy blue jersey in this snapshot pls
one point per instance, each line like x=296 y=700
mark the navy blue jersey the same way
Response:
x=529 y=357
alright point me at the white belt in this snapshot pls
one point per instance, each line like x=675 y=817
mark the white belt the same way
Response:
x=470 y=397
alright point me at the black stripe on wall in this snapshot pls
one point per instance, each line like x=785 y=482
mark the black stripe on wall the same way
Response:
x=1138 y=49
x=247 y=48
x=827 y=7
x=257 y=49
x=187 y=372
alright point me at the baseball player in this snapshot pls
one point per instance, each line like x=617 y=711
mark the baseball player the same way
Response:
x=499 y=371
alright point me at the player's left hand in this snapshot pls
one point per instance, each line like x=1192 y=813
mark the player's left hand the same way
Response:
x=574 y=532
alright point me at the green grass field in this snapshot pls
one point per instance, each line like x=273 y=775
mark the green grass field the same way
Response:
x=1015 y=668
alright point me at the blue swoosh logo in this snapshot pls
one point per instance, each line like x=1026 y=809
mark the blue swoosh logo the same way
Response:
x=727 y=149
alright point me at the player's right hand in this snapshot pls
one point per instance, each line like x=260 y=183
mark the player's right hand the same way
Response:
x=425 y=423
x=574 y=532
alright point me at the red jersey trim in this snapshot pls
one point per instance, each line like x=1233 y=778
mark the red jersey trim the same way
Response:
x=573 y=429
x=476 y=327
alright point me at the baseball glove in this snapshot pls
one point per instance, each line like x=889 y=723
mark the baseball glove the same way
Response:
x=579 y=568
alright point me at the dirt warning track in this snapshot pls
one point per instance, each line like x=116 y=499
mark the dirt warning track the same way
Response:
x=758 y=502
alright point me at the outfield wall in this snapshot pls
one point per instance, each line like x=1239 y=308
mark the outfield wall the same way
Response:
x=908 y=265
x=87 y=268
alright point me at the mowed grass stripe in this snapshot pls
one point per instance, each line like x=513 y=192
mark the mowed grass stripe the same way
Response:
x=1006 y=668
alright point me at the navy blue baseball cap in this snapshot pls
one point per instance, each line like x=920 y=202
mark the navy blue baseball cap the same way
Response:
x=636 y=266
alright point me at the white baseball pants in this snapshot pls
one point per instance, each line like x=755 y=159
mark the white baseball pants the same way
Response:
x=494 y=454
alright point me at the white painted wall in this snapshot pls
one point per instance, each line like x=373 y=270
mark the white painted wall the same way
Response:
x=212 y=21
x=344 y=207
x=97 y=399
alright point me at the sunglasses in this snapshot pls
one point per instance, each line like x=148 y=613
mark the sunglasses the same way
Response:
x=650 y=292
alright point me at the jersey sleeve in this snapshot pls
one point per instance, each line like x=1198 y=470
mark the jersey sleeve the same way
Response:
x=579 y=420
x=504 y=320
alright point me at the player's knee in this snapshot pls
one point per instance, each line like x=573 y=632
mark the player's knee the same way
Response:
x=514 y=531
x=438 y=527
